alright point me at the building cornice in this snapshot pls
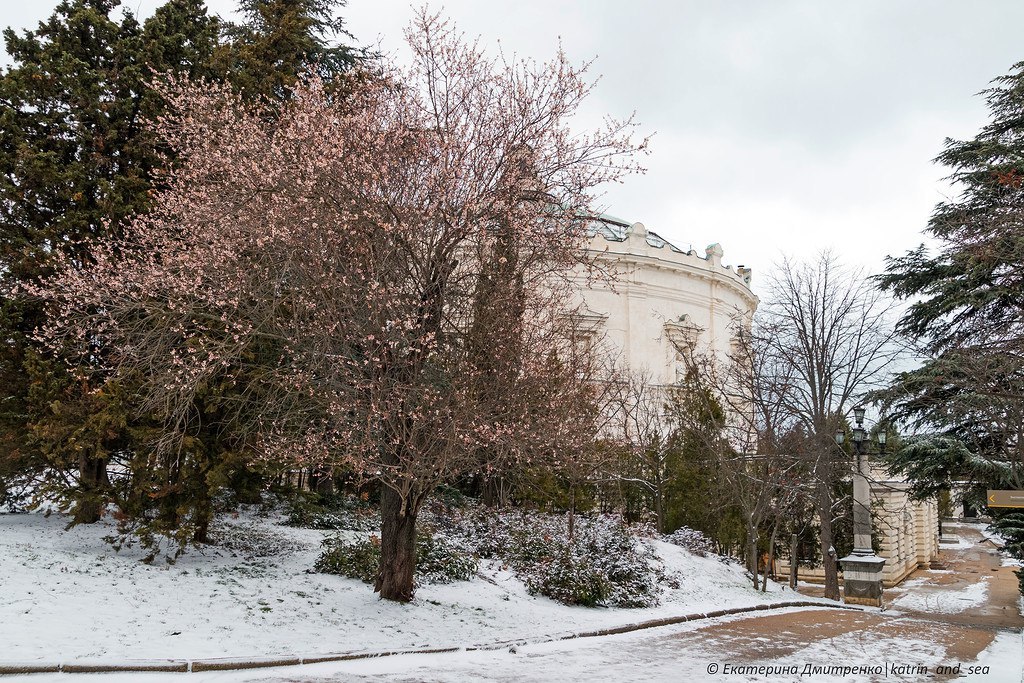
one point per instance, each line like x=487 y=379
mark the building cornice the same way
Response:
x=636 y=246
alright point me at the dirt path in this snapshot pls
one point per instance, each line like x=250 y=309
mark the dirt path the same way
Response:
x=936 y=617
x=837 y=637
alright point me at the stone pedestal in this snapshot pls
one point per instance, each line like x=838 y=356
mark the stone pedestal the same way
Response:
x=862 y=579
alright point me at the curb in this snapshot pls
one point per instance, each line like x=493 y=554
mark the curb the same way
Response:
x=697 y=616
x=241 y=663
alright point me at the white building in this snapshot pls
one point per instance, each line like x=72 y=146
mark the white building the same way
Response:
x=665 y=298
x=662 y=294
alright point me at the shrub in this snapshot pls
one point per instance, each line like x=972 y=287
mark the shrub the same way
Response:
x=339 y=511
x=570 y=580
x=693 y=540
x=629 y=564
x=438 y=560
x=441 y=560
x=251 y=540
x=603 y=564
x=354 y=559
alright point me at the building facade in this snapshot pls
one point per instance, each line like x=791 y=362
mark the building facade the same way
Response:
x=664 y=298
x=906 y=531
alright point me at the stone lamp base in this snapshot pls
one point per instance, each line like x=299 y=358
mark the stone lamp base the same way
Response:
x=862 y=579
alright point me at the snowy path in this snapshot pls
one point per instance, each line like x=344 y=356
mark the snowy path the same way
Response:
x=688 y=652
x=978 y=587
x=799 y=640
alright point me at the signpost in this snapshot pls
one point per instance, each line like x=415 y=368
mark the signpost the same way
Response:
x=1006 y=499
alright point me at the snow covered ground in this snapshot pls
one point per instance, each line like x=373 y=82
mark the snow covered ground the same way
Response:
x=67 y=595
x=942 y=602
x=997 y=539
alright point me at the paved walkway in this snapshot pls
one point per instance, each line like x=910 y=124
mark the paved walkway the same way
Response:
x=987 y=592
x=809 y=643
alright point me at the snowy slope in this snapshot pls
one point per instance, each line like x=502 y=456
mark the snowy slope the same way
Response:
x=67 y=595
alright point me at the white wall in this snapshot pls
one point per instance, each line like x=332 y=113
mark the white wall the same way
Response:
x=657 y=284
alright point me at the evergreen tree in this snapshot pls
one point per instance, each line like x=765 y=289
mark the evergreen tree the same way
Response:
x=698 y=493
x=76 y=159
x=968 y=314
x=280 y=39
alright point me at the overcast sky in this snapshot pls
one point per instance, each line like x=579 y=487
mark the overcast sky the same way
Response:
x=781 y=127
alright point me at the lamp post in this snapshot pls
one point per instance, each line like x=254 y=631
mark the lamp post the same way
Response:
x=862 y=569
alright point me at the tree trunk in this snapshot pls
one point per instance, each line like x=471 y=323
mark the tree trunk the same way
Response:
x=828 y=553
x=794 y=559
x=396 y=575
x=92 y=478
x=752 y=553
x=322 y=481
x=770 y=564
x=202 y=532
x=203 y=516
x=494 y=492
x=572 y=511
x=659 y=510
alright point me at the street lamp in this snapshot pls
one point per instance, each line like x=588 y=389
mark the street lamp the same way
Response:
x=862 y=569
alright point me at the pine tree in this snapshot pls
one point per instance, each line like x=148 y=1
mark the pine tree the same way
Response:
x=972 y=289
x=76 y=159
x=76 y=155
x=280 y=39
x=968 y=310
x=968 y=314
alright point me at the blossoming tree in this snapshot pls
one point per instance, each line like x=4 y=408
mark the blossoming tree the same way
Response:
x=382 y=277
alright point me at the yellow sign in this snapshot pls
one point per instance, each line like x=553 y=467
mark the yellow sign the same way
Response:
x=1006 y=499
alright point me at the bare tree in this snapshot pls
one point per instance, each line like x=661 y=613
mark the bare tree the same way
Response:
x=831 y=330
x=823 y=338
x=643 y=432
x=734 y=406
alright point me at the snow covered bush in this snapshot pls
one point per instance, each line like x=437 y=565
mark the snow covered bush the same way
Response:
x=693 y=540
x=516 y=537
x=441 y=560
x=569 y=579
x=438 y=559
x=603 y=563
x=356 y=559
x=343 y=512
x=251 y=540
x=628 y=563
